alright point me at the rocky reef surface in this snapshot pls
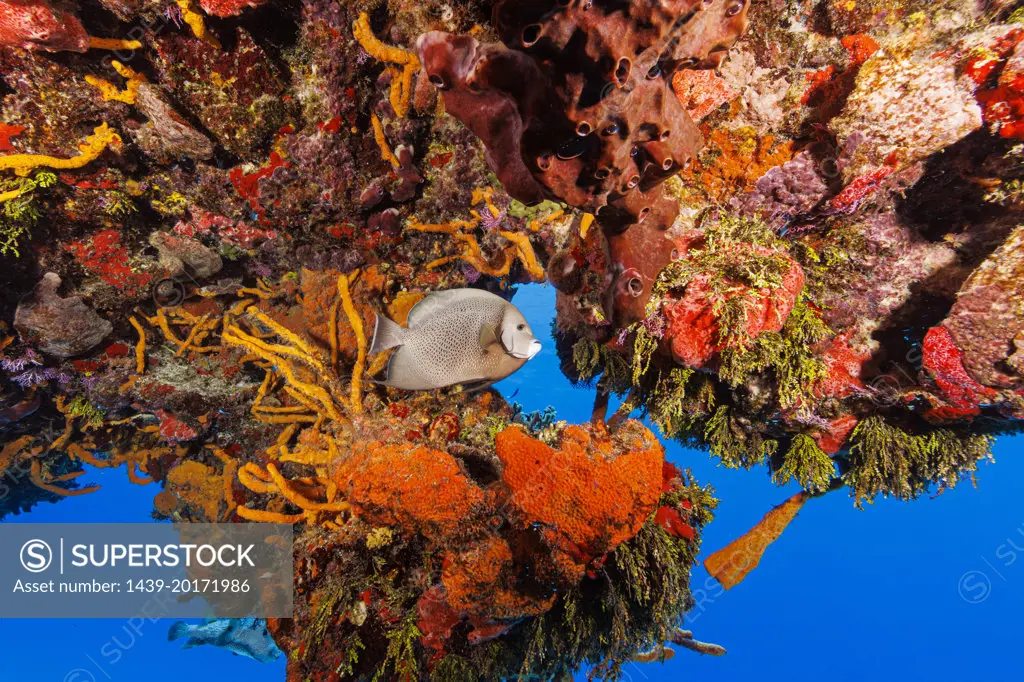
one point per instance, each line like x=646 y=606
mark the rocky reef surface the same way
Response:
x=787 y=232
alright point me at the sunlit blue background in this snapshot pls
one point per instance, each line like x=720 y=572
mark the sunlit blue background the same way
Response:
x=927 y=590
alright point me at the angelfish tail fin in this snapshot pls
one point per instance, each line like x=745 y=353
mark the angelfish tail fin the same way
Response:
x=386 y=334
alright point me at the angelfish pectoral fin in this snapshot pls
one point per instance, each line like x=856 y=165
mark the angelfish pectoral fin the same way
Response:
x=488 y=335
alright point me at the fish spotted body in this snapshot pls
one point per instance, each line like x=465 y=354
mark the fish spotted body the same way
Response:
x=460 y=336
x=247 y=637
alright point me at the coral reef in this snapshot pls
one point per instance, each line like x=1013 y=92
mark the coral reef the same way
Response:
x=797 y=246
x=836 y=275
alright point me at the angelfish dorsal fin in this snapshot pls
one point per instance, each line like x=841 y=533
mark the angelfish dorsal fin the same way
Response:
x=488 y=335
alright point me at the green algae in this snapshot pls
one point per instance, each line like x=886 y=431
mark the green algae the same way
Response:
x=91 y=415
x=807 y=464
x=788 y=354
x=20 y=214
x=886 y=460
x=401 y=651
x=736 y=445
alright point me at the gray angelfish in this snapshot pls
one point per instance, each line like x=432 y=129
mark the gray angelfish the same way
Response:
x=247 y=637
x=460 y=336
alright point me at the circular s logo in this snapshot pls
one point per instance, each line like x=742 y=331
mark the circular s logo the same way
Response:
x=36 y=556
x=974 y=587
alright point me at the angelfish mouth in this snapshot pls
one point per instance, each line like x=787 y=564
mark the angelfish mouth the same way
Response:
x=531 y=350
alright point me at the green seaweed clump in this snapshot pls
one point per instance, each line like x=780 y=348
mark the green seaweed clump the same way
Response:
x=788 y=354
x=91 y=415
x=591 y=360
x=807 y=464
x=734 y=444
x=20 y=213
x=886 y=460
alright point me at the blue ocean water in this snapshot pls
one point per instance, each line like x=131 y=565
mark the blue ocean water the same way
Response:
x=900 y=591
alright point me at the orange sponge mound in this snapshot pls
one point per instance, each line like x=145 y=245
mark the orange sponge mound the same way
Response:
x=413 y=487
x=592 y=493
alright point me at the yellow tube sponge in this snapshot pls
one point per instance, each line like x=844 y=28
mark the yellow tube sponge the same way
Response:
x=344 y=284
x=113 y=44
x=111 y=92
x=382 y=142
x=195 y=22
x=401 y=81
x=90 y=149
x=140 y=347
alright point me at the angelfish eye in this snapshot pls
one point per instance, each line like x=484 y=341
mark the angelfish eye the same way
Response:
x=521 y=327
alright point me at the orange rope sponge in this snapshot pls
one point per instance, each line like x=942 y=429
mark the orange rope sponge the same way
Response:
x=140 y=347
x=11 y=451
x=298 y=498
x=36 y=476
x=133 y=474
x=268 y=517
x=356 y=322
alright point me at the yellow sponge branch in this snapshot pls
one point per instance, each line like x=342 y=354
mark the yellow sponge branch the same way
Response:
x=401 y=81
x=111 y=92
x=382 y=142
x=90 y=149
x=196 y=23
x=113 y=44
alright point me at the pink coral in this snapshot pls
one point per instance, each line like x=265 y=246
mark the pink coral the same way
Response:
x=173 y=429
x=844 y=365
x=863 y=186
x=944 y=361
x=240 y=234
x=245 y=236
x=35 y=24
x=693 y=321
x=228 y=8
x=836 y=433
x=202 y=223
x=701 y=92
